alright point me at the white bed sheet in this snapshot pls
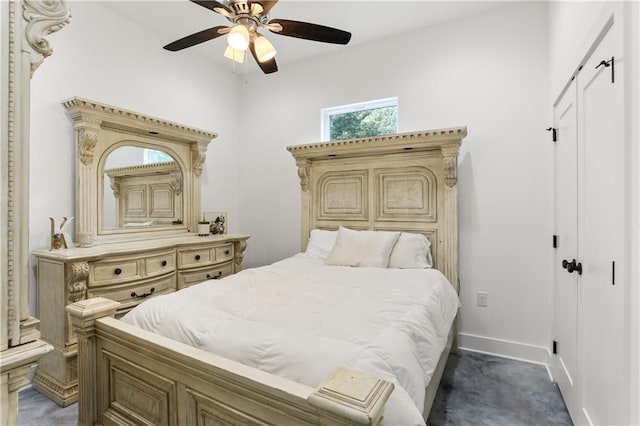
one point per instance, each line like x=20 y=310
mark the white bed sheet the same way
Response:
x=303 y=320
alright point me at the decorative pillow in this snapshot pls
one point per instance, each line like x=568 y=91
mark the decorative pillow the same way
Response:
x=362 y=248
x=320 y=243
x=411 y=251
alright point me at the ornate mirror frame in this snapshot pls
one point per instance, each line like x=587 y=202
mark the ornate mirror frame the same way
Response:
x=100 y=129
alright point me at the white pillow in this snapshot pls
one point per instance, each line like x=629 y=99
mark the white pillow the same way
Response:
x=411 y=251
x=362 y=248
x=320 y=243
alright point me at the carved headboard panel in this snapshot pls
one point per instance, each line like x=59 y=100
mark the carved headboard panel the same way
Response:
x=403 y=182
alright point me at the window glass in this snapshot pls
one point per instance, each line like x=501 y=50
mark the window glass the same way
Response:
x=152 y=156
x=364 y=119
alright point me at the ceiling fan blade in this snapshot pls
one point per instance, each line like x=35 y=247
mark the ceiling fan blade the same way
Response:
x=212 y=5
x=267 y=67
x=267 y=5
x=309 y=31
x=197 y=38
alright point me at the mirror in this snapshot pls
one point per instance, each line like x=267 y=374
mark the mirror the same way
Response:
x=138 y=176
x=142 y=188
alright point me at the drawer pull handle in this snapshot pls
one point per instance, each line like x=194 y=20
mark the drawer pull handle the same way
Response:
x=143 y=295
x=164 y=263
x=117 y=271
x=197 y=257
x=214 y=277
x=226 y=252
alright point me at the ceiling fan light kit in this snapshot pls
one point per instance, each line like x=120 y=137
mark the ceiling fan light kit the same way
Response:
x=238 y=37
x=234 y=55
x=264 y=48
x=247 y=16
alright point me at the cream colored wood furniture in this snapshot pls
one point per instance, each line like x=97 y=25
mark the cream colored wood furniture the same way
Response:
x=126 y=263
x=400 y=182
x=405 y=182
x=100 y=130
x=146 y=194
x=127 y=272
x=23 y=48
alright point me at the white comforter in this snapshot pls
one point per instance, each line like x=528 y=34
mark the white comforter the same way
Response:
x=303 y=320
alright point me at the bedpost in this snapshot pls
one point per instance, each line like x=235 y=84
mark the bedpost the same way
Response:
x=351 y=397
x=450 y=162
x=83 y=318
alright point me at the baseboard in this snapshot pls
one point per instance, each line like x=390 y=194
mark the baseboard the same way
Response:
x=506 y=349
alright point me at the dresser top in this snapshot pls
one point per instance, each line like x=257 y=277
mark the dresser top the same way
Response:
x=137 y=246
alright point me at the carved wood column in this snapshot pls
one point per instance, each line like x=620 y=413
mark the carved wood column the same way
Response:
x=198 y=158
x=304 y=173
x=25 y=24
x=83 y=319
x=450 y=161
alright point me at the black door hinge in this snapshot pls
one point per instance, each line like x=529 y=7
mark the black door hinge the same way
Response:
x=555 y=241
x=555 y=347
x=554 y=133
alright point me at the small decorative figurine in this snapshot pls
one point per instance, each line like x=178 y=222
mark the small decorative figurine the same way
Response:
x=218 y=225
x=58 y=238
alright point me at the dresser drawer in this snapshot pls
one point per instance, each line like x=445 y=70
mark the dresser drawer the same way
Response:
x=224 y=253
x=189 y=278
x=114 y=271
x=131 y=295
x=190 y=258
x=160 y=264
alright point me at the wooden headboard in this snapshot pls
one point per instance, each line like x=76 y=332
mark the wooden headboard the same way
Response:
x=401 y=182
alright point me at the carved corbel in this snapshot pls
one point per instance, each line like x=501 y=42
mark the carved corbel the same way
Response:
x=115 y=188
x=43 y=18
x=303 y=174
x=198 y=156
x=239 y=248
x=77 y=275
x=87 y=141
x=176 y=183
x=450 y=161
x=450 y=171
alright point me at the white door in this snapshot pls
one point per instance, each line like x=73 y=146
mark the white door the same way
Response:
x=602 y=347
x=566 y=229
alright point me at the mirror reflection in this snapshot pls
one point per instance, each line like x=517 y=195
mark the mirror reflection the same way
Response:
x=142 y=188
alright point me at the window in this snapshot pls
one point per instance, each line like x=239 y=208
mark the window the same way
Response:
x=152 y=156
x=372 y=118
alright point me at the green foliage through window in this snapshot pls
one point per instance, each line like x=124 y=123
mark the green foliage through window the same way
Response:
x=360 y=120
x=364 y=123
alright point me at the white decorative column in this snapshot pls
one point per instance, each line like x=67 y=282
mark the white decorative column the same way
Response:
x=23 y=47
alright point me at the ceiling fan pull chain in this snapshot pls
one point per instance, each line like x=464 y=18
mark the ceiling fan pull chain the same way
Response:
x=246 y=69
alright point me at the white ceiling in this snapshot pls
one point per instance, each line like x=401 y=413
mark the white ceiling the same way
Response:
x=366 y=20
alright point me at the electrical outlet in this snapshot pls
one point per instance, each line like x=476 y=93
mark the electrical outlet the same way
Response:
x=483 y=299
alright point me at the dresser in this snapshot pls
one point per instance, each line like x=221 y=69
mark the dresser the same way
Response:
x=129 y=272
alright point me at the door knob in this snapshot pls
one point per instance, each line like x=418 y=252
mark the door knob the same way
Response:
x=572 y=266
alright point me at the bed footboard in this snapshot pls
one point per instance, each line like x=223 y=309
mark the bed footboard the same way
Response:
x=130 y=376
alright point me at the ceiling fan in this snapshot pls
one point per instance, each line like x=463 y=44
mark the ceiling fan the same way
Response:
x=247 y=17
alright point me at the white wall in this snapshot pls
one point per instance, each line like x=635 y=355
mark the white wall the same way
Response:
x=104 y=57
x=488 y=72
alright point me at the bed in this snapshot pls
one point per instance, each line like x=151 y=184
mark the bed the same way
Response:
x=348 y=374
